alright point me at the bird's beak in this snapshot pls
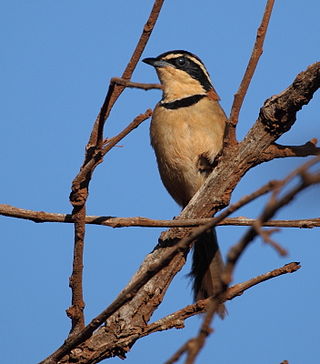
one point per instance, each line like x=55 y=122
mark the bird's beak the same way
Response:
x=155 y=62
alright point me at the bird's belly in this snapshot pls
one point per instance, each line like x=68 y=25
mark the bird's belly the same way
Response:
x=180 y=137
x=177 y=155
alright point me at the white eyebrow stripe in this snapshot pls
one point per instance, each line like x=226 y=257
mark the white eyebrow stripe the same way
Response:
x=173 y=55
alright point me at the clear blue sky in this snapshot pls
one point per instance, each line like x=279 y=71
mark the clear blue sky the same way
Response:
x=56 y=61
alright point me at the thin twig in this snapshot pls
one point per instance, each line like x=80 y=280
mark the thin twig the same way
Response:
x=283 y=151
x=176 y=356
x=134 y=124
x=252 y=64
x=143 y=86
x=115 y=90
x=266 y=237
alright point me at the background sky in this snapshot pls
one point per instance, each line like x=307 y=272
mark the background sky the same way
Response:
x=56 y=62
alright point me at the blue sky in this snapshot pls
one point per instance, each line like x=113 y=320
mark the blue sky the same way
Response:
x=56 y=63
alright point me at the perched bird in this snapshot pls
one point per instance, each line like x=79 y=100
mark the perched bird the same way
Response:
x=186 y=131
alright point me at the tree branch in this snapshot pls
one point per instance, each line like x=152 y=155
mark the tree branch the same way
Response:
x=247 y=77
x=80 y=184
x=195 y=344
x=75 y=312
x=281 y=151
x=110 y=143
x=160 y=266
x=143 y=86
x=274 y=204
x=131 y=293
x=93 y=157
x=140 y=308
x=176 y=319
x=276 y=117
x=120 y=222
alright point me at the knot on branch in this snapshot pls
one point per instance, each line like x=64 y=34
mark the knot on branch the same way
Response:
x=165 y=242
x=148 y=27
x=275 y=118
x=279 y=112
x=78 y=196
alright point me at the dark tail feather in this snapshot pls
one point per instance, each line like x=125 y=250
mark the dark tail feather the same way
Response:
x=207 y=266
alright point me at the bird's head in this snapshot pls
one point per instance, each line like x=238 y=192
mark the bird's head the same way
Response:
x=182 y=74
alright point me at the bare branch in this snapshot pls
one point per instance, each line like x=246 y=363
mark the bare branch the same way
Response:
x=153 y=264
x=150 y=269
x=148 y=286
x=266 y=236
x=75 y=311
x=194 y=345
x=276 y=117
x=120 y=222
x=240 y=288
x=251 y=67
x=109 y=144
x=93 y=156
x=116 y=90
x=274 y=204
x=176 y=319
x=281 y=151
x=143 y=86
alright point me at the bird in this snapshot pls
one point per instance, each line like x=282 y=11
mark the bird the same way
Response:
x=186 y=131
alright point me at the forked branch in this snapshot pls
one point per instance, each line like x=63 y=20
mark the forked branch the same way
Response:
x=93 y=157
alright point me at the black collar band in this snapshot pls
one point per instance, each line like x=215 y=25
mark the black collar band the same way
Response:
x=185 y=102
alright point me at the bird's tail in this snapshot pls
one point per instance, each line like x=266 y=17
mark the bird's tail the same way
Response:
x=207 y=266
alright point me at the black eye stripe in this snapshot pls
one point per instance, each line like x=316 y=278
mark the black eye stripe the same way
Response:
x=193 y=69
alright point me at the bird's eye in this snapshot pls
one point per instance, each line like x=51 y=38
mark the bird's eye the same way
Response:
x=181 y=61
